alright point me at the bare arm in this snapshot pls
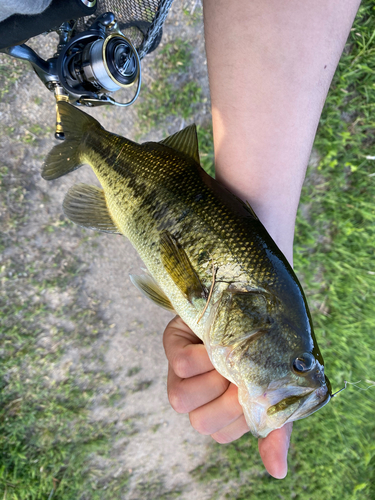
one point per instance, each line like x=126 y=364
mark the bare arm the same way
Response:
x=270 y=65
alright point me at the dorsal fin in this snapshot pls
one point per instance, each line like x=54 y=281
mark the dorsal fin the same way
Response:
x=249 y=208
x=185 y=141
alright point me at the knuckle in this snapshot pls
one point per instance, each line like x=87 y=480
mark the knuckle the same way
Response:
x=177 y=400
x=199 y=424
x=168 y=334
x=222 y=437
x=182 y=365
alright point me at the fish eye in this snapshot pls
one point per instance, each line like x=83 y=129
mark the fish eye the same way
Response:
x=303 y=363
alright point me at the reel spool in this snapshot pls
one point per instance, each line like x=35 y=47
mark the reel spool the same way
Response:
x=99 y=60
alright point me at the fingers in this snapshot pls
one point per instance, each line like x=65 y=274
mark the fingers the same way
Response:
x=185 y=395
x=192 y=380
x=274 y=451
x=231 y=432
x=195 y=387
x=185 y=352
x=218 y=414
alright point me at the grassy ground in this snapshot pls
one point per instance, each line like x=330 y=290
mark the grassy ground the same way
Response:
x=173 y=93
x=332 y=453
x=49 y=448
x=46 y=440
x=52 y=370
x=52 y=339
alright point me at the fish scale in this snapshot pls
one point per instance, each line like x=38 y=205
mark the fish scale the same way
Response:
x=147 y=178
x=210 y=259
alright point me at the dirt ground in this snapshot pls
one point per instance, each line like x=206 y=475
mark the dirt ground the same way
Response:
x=163 y=449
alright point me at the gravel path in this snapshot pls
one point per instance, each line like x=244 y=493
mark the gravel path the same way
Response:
x=163 y=448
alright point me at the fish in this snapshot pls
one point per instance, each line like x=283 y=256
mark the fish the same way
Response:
x=208 y=258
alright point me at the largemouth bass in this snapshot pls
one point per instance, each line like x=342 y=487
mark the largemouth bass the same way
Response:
x=209 y=259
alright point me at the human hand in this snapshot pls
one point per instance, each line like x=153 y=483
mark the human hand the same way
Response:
x=195 y=387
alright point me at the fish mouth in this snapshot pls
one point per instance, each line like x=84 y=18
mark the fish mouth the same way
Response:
x=286 y=403
x=281 y=404
x=322 y=396
x=308 y=403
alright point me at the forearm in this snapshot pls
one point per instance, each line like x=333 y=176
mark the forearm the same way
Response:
x=270 y=64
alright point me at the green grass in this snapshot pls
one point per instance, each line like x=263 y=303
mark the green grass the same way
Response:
x=49 y=448
x=172 y=93
x=332 y=453
x=46 y=438
x=195 y=18
x=11 y=70
x=206 y=150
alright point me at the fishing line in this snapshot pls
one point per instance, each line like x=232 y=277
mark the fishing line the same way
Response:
x=355 y=385
x=360 y=388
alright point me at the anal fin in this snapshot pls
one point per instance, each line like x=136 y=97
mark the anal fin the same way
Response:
x=148 y=286
x=86 y=206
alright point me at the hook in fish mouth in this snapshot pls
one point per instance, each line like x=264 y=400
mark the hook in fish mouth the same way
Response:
x=345 y=386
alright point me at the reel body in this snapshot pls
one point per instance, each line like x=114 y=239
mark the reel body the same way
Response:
x=97 y=61
x=92 y=60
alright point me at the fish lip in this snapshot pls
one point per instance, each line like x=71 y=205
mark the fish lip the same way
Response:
x=261 y=422
x=315 y=408
x=322 y=393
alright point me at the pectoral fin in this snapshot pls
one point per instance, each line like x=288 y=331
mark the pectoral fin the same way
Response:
x=86 y=206
x=179 y=268
x=185 y=141
x=148 y=286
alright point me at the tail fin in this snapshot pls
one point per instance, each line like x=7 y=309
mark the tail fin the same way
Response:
x=67 y=156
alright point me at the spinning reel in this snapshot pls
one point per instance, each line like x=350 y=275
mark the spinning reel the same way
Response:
x=96 y=62
x=90 y=64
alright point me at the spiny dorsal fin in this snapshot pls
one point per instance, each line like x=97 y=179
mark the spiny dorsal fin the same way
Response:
x=249 y=208
x=148 y=286
x=178 y=266
x=86 y=206
x=185 y=141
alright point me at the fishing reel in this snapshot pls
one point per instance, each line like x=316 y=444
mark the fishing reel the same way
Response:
x=87 y=66
x=96 y=62
x=91 y=61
